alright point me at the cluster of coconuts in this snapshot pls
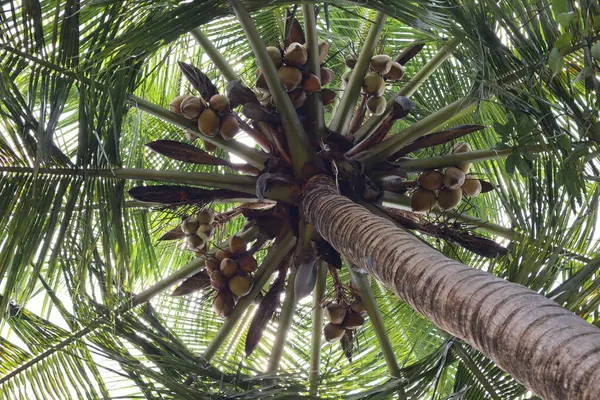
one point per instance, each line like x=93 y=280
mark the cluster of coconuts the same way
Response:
x=198 y=230
x=382 y=68
x=341 y=318
x=291 y=68
x=230 y=271
x=445 y=188
x=214 y=118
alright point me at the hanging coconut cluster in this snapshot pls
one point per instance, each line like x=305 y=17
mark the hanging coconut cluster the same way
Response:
x=198 y=230
x=445 y=187
x=342 y=318
x=293 y=74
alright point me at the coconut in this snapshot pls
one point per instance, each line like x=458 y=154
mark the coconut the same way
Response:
x=323 y=49
x=222 y=254
x=333 y=332
x=228 y=267
x=220 y=103
x=453 y=178
x=240 y=285
x=335 y=313
x=358 y=307
x=327 y=75
x=449 y=198
x=189 y=135
x=376 y=104
x=351 y=62
x=275 y=55
x=346 y=76
x=194 y=242
x=212 y=265
x=298 y=97
x=373 y=84
x=191 y=107
x=261 y=83
x=206 y=216
x=218 y=280
x=396 y=72
x=290 y=77
x=422 y=200
x=223 y=303
x=431 y=180
x=312 y=83
x=247 y=263
x=208 y=122
x=461 y=147
x=328 y=96
x=208 y=146
x=206 y=231
x=381 y=63
x=237 y=244
x=295 y=55
x=229 y=126
x=471 y=187
x=189 y=226
x=353 y=320
x=175 y=104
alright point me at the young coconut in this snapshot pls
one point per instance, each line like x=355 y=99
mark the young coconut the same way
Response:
x=261 y=84
x=229 y=267
x=208 y=146
x=453 y=178
x=295 y=55
x=431 y=180
x=290 y=77
x=472 y=186
x=396 y=71
x=449 y=198
x=223 y=303
x=376 y=104
x=298 y=97
x=275 y=55
x=353 y=320
x=328 y=96
x=191 y=107
x=222 y=254
x=323 y=49
x=189 y=135
x=212 y=265
x=206 y=231
x=327 y=75
x=358 y=307
x=422 y=200
x=175 y=104
x=218 y=280
x=381 y=63
x=229 y=126
x=335 y=313
x=312 y=83
x=208 y=122
x=373 y=84
x=351 y=62
x=346 y=76
x=237 y=244
x=240 y=285
x=333 y=332
x=206 y=216
x=247 y=263
x=220 y=103
x=462 y=147
x=190 y=225
x=194 y=242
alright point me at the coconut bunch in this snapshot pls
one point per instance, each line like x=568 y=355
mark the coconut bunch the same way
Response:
x=213 y=117
x=446 y=188
x=198 y=230
x=342 y=318
x=230 y=271
x=293 y=74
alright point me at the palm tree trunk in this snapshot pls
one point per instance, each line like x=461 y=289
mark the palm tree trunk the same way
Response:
x=550 y=350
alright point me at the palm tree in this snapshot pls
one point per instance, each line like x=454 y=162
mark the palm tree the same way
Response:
x=91 y=247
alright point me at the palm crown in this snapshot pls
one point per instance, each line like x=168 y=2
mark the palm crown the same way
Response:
x=86 y=87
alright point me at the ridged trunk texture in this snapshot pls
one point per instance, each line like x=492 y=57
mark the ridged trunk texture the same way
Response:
x=550 y=350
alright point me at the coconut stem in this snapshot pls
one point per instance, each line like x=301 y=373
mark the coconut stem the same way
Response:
x=215 y=55
x=294 y=131
x=313 y=67
x=387 y=148
x=340 y=121
x=407 y=90
x=285 y=322
x=402 y=202
x=248 y=154
x=317 y=327
x=363 y=284
x=276 y=254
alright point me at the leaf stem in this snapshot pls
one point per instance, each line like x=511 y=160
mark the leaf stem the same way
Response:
x=340 y=121
x=407 y=90
x=286 y=317
x=294 y=131
x=276 y=254
x=317 y=326
x=215 y=55
x=313 y=67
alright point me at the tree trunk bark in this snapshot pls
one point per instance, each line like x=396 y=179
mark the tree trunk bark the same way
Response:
x=550 y=350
